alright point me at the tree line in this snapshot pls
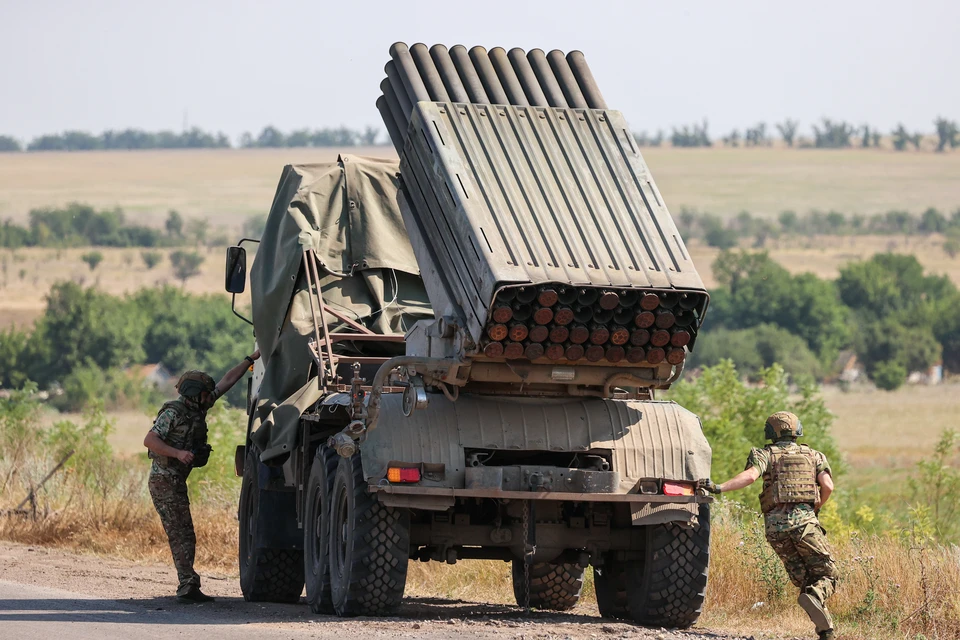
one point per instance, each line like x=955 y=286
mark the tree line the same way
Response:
x=826 y=134
x=80 y=225
x=194 y=138
x=86 y=339
x=893 y=316
x=726 y=233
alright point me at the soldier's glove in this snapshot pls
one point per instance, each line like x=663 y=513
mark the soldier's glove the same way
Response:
x=708 y=485
x=201 y=456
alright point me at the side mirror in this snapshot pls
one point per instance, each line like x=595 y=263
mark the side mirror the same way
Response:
x=235 y=280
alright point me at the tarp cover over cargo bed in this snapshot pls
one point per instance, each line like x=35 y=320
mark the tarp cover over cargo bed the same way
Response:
x=348 y=213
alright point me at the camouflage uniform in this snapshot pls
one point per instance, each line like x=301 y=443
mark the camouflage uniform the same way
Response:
x=182 y=425
x=794 y=531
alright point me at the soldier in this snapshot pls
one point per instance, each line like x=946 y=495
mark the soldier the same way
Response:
x=177 y=443
x=796 y=483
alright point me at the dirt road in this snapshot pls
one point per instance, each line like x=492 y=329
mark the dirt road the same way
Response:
x=48 y=593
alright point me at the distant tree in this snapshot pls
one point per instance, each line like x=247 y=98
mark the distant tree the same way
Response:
x=732 y=139
x=695 y=136
x=932 y=221
x=174 y=224
x=197 y=229
x=185 y=265
x=788 y=221
x=833 y=135
x=151 y=258
x=254 y=226
x=900 y=137
x=92 y=259
x=756 y=136
x=876 y=138
x=788 y=130
x=889 y=375
x=298 y=138
x=947 y=133
x=8 y=143
x=271 y=137
x=865 y=136
x=951 y=247
x=369 y=136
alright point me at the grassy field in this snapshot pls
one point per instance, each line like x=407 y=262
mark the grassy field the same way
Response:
x=26 y=274
x=223 y=185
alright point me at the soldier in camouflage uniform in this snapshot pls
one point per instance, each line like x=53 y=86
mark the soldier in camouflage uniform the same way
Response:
x=796 y=482
x=177 y=443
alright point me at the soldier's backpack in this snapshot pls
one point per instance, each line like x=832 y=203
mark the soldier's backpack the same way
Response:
x=791 y=477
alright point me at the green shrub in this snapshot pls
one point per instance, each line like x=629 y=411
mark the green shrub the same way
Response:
x=93 y=259
x=733 y=414
x=889 y=375
x=757 y=348
x=151 y=258
x=186 y=264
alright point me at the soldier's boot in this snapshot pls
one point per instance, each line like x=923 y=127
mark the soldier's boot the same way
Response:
x=817 y=611
x=193 y=596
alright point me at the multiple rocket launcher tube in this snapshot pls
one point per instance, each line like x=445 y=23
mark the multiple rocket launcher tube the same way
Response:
x=552 y=321
x=577 y=324
x=517 y=77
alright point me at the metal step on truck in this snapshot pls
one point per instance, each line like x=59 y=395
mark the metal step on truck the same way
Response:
x=461 y=354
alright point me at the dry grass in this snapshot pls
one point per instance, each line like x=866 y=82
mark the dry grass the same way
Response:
x=824 y=256
x=224 y=184
x=221 y=185
x=891 y=429
x=767 y=181
x=882 y=592
x=123 y=271
x=30 y=272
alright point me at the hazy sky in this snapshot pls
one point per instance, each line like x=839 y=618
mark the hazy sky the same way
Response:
x=237 y=66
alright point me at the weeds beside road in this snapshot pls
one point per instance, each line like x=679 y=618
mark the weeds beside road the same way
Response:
x=895 y=584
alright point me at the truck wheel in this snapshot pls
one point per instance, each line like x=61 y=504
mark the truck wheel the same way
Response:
x=316 y=530
x=266 y=575
x=610 y=584
x=369 y=546
x=553 y=587
x=667 y=588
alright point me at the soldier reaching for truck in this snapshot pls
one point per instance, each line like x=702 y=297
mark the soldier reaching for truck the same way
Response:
x=177 y=443
x=796 y=483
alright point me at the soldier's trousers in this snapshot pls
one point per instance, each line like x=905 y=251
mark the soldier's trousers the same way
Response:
x=806 y=557
x=170 y=498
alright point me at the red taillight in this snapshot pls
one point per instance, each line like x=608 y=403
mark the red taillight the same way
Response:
x=677 y=488
x=403 y=474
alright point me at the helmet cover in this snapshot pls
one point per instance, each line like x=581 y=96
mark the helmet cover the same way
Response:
x=192 y=383
x=783 y=424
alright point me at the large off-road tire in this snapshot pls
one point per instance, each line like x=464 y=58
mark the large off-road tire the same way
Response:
x=553 y=587
x=266 y=575
x=610 y=584
x=667 y=588
x=369 y=546
x=316 y=530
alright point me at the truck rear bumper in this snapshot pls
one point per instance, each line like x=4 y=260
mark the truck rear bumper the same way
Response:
x=644 y=509
x=453 y=494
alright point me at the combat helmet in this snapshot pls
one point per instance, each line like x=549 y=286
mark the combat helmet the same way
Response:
x=782 y=424
x=192 y=383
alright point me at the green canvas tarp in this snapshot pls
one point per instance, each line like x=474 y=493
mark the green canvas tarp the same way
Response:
x=348 y=213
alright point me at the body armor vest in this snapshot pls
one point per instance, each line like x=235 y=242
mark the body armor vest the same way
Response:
x=196 y=421
x=791 y=477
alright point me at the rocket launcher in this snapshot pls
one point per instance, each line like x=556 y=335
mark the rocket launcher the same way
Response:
x=541 y=235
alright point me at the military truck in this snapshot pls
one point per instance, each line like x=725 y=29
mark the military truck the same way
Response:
x=461 y=354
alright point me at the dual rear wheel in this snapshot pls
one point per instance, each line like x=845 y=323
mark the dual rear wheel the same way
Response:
x=357 y=549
